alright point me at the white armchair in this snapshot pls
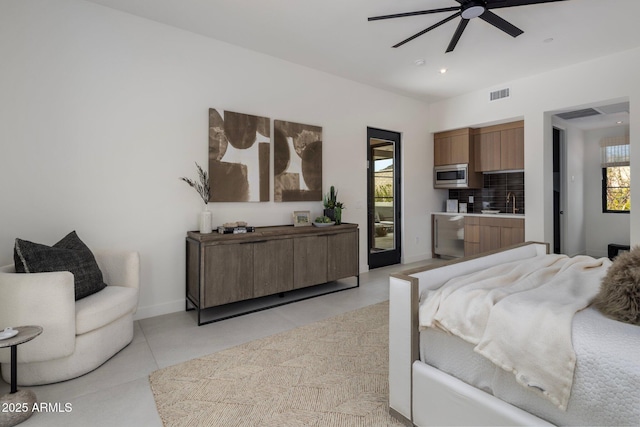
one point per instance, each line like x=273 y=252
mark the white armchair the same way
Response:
x=78 y=336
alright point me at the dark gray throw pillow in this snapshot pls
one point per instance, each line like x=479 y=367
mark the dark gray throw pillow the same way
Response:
x=69 y=254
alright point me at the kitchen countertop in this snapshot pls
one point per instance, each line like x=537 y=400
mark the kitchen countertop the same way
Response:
x=499 y=215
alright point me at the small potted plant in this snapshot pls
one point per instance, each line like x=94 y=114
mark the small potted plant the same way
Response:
x=332 y=207
x=204 y=190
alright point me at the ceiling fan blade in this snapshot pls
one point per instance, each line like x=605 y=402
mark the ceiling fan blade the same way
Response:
x=496 y=4
x=501 y=24
x=445 y=20
x=456 y=36
x=421 y=12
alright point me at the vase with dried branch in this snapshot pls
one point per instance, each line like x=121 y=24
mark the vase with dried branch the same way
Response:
x=204 y=190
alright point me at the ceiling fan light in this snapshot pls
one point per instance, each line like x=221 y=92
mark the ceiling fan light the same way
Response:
x=473 y=12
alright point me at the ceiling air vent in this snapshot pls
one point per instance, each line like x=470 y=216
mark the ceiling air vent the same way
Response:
x=578 y=114
x=499 y=94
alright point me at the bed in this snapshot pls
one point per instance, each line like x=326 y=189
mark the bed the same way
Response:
x=436 y=378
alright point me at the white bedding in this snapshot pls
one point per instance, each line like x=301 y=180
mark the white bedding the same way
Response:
x=606 y=378
x=519 y=316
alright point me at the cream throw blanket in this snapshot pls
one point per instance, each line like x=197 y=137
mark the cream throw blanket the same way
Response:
x=519 y=316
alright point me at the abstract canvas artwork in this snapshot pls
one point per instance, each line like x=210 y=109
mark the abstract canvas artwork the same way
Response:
x=239 y=150
x=297 y=162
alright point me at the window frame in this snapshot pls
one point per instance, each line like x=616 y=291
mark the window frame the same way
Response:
x=605 y=187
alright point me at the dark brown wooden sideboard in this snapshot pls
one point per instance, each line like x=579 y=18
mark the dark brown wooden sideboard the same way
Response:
x=227 y=268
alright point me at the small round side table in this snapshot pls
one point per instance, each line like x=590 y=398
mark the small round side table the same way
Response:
x=18 y=404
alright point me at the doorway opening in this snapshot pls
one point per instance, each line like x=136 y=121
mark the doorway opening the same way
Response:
x=558 y=175
x=384 y=227
x=580 y=137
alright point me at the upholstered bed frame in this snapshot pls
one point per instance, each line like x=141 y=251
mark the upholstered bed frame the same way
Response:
x=421 y=395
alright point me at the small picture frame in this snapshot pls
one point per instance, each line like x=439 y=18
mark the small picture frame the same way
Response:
x=301 y=218
x=452 y=205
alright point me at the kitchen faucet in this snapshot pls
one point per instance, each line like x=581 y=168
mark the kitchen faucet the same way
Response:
x=509 y=194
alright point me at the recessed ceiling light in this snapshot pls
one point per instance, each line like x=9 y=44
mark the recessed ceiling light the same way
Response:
x=419 y=62
x=619 y=122
x=443 y=70
x=549 y=40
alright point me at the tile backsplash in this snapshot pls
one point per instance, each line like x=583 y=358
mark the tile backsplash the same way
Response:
x=494 y=193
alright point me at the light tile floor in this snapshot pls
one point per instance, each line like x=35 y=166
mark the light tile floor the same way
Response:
x=118 y=392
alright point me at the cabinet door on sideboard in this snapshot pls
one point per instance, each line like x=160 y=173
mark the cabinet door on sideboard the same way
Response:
x=309 y=261
x=273 y=267
x=223 y=269
x=228 y=274
x=342 y=255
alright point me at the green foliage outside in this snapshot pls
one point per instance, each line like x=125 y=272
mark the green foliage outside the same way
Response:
x=618 y=188
x=383 y=193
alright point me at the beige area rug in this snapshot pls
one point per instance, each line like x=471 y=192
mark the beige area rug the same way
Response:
x=329 y=373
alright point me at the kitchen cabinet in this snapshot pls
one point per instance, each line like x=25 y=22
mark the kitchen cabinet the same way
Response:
x=487 y=233
x=512 y=232
x=499 y=147
x=227 y=268
x=512 y=148
x=471 y=235
x=498 y=233
x=456 y=147
x=452 y=147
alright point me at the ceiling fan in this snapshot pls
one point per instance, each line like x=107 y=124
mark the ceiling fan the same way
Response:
x=468 y=10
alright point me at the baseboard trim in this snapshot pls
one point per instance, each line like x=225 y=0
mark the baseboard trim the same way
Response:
x=415 y=258
x=159 y=310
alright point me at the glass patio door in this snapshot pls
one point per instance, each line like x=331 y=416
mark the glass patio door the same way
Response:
x=384 y=220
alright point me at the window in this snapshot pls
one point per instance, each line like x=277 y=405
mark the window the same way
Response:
x=616 y=175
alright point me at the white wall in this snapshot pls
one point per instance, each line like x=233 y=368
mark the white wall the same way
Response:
x=610 y=78
x=601 y=228
x=101 y=112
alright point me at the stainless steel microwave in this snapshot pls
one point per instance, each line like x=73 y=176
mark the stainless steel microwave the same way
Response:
x=451 y=176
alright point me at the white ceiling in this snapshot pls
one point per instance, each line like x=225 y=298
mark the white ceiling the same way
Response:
x=609 y=115
x=335 y=36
